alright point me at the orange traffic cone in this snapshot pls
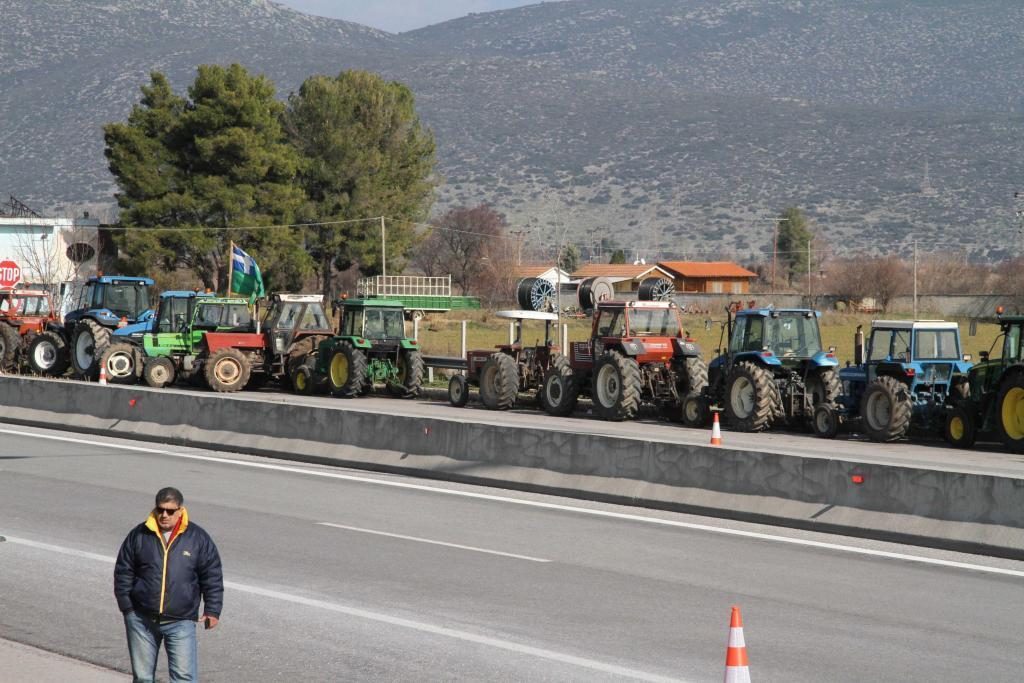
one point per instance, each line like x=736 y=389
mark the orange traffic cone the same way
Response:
x=716 y=432
x=103 y=375
x=737 y=669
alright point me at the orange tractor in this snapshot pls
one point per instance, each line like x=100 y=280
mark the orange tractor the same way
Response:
x=24 y=314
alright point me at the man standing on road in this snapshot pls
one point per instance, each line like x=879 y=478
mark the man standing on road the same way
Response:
x=164 y=566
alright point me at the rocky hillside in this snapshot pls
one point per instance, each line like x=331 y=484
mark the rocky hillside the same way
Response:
x=677 y=127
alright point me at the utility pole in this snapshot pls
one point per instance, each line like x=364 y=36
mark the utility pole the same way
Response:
x=383 y=250
x=519 y=245
x=775 y=248
x=915 y=278
x=808 y=273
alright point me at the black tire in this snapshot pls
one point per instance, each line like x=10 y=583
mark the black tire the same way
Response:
x=885 y=410
x=121 y=362
x=10 y=344
x=616 y=387
x=88 y=343
x=750 y=398
x=499 y=382
x=559 y=392
x=346 y=371
x=304 y=379
x=959 y=429
x=825 y=421
x=1010 y=413
x=48 y=354
x=410 y=374
x=158 y=372
x=824 y=387
x=696 y=411
x=227 y=370
x=458 y=391
x=694 y=377
x=959 y=389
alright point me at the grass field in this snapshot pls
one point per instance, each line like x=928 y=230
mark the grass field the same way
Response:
x=441 y=334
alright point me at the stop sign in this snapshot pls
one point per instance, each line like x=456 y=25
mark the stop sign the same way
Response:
x=10 y=273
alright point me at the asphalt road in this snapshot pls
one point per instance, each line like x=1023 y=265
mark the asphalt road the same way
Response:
x=345 y=575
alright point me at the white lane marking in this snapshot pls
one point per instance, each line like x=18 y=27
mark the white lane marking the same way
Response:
x=554 y=506
x=423 y=627
x=427 y=540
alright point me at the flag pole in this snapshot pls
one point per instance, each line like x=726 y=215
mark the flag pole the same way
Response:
x=231 y=265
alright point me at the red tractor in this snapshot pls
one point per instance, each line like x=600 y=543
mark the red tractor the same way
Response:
x=24 y=314
x=513 y=368
x=638 y=352
x=292 y=327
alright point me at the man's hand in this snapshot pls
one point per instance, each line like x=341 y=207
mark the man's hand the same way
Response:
x=209 y=621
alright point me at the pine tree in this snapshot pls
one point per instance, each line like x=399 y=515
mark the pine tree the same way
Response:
x=794 y=236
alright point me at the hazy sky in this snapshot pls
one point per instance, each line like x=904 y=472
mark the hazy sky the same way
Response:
x=400 y=15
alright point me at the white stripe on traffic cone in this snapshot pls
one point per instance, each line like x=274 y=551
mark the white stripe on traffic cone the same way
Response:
x=737 y=669
x=716 y=432
x=103 y=375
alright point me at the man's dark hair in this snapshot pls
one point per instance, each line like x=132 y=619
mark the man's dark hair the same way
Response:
x=169 y=494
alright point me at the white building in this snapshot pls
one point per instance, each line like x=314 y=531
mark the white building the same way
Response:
x=50 y=251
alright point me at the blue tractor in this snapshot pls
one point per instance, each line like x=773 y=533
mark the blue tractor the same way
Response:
x=774 y=372
x=907 y=377
x=104 y=303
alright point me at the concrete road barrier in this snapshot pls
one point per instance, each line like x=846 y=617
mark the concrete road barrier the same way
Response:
x=966 y=511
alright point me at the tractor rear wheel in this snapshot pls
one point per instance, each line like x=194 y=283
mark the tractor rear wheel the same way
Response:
x=824 y=387
x=10 y=341
x=1010 y=413
x=88 y=343
x=158 y=372
x=750 y=397
x=616 y=387
x=499 y=382
x=458 y=391
x=885 y=409
x=410 y=374
x=959 y=429
x=121 y=363
x=227 y=370
x=558 y=392
x=48 y=354
x=346 y=372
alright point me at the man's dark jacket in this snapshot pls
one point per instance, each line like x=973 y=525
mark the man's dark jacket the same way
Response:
x=192 y=570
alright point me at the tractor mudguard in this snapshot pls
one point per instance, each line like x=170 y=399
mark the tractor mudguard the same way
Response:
x=629 y=348
x=824 y=359
x=410 y=344
x=687 y=348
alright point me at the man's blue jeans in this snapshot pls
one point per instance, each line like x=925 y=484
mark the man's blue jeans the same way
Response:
x=144 y=638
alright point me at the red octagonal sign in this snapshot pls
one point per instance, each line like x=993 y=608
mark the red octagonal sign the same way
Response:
x=10 y=273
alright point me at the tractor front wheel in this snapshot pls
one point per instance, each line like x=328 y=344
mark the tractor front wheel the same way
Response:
x=304 y=380
x=616 y=389
x=48 y=354
x=959 y=429
x=696 y=411
x=458 y=391
x=885 y=409
x=158 y=372
x=121 y=363
x=750 y=398
x=559 y=393
x=346 y=372
x=499 y=382
x=1010 y=413
x=410 y=374
x=825 y=421
x=227 y=370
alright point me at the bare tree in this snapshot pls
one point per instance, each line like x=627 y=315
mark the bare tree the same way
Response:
x=57 y=257
x=879 y=278
x=458 y=244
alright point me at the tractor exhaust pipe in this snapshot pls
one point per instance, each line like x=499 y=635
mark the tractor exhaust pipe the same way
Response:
x=858 y=346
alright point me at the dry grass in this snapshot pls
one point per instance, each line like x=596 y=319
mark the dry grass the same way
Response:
x=441 y=333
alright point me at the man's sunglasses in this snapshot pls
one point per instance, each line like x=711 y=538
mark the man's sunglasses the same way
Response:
x=166 y=511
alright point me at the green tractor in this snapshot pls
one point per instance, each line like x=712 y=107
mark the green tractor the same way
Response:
x=170 y=346
x=370 y=348
x=994 y=407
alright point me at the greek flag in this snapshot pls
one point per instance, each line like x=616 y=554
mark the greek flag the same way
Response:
x=245 y=276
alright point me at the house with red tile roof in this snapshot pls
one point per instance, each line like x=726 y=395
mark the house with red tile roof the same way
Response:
x=625 y=277
x=708 y=277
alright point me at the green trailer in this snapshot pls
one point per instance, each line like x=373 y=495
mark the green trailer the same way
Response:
x=418 y=295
